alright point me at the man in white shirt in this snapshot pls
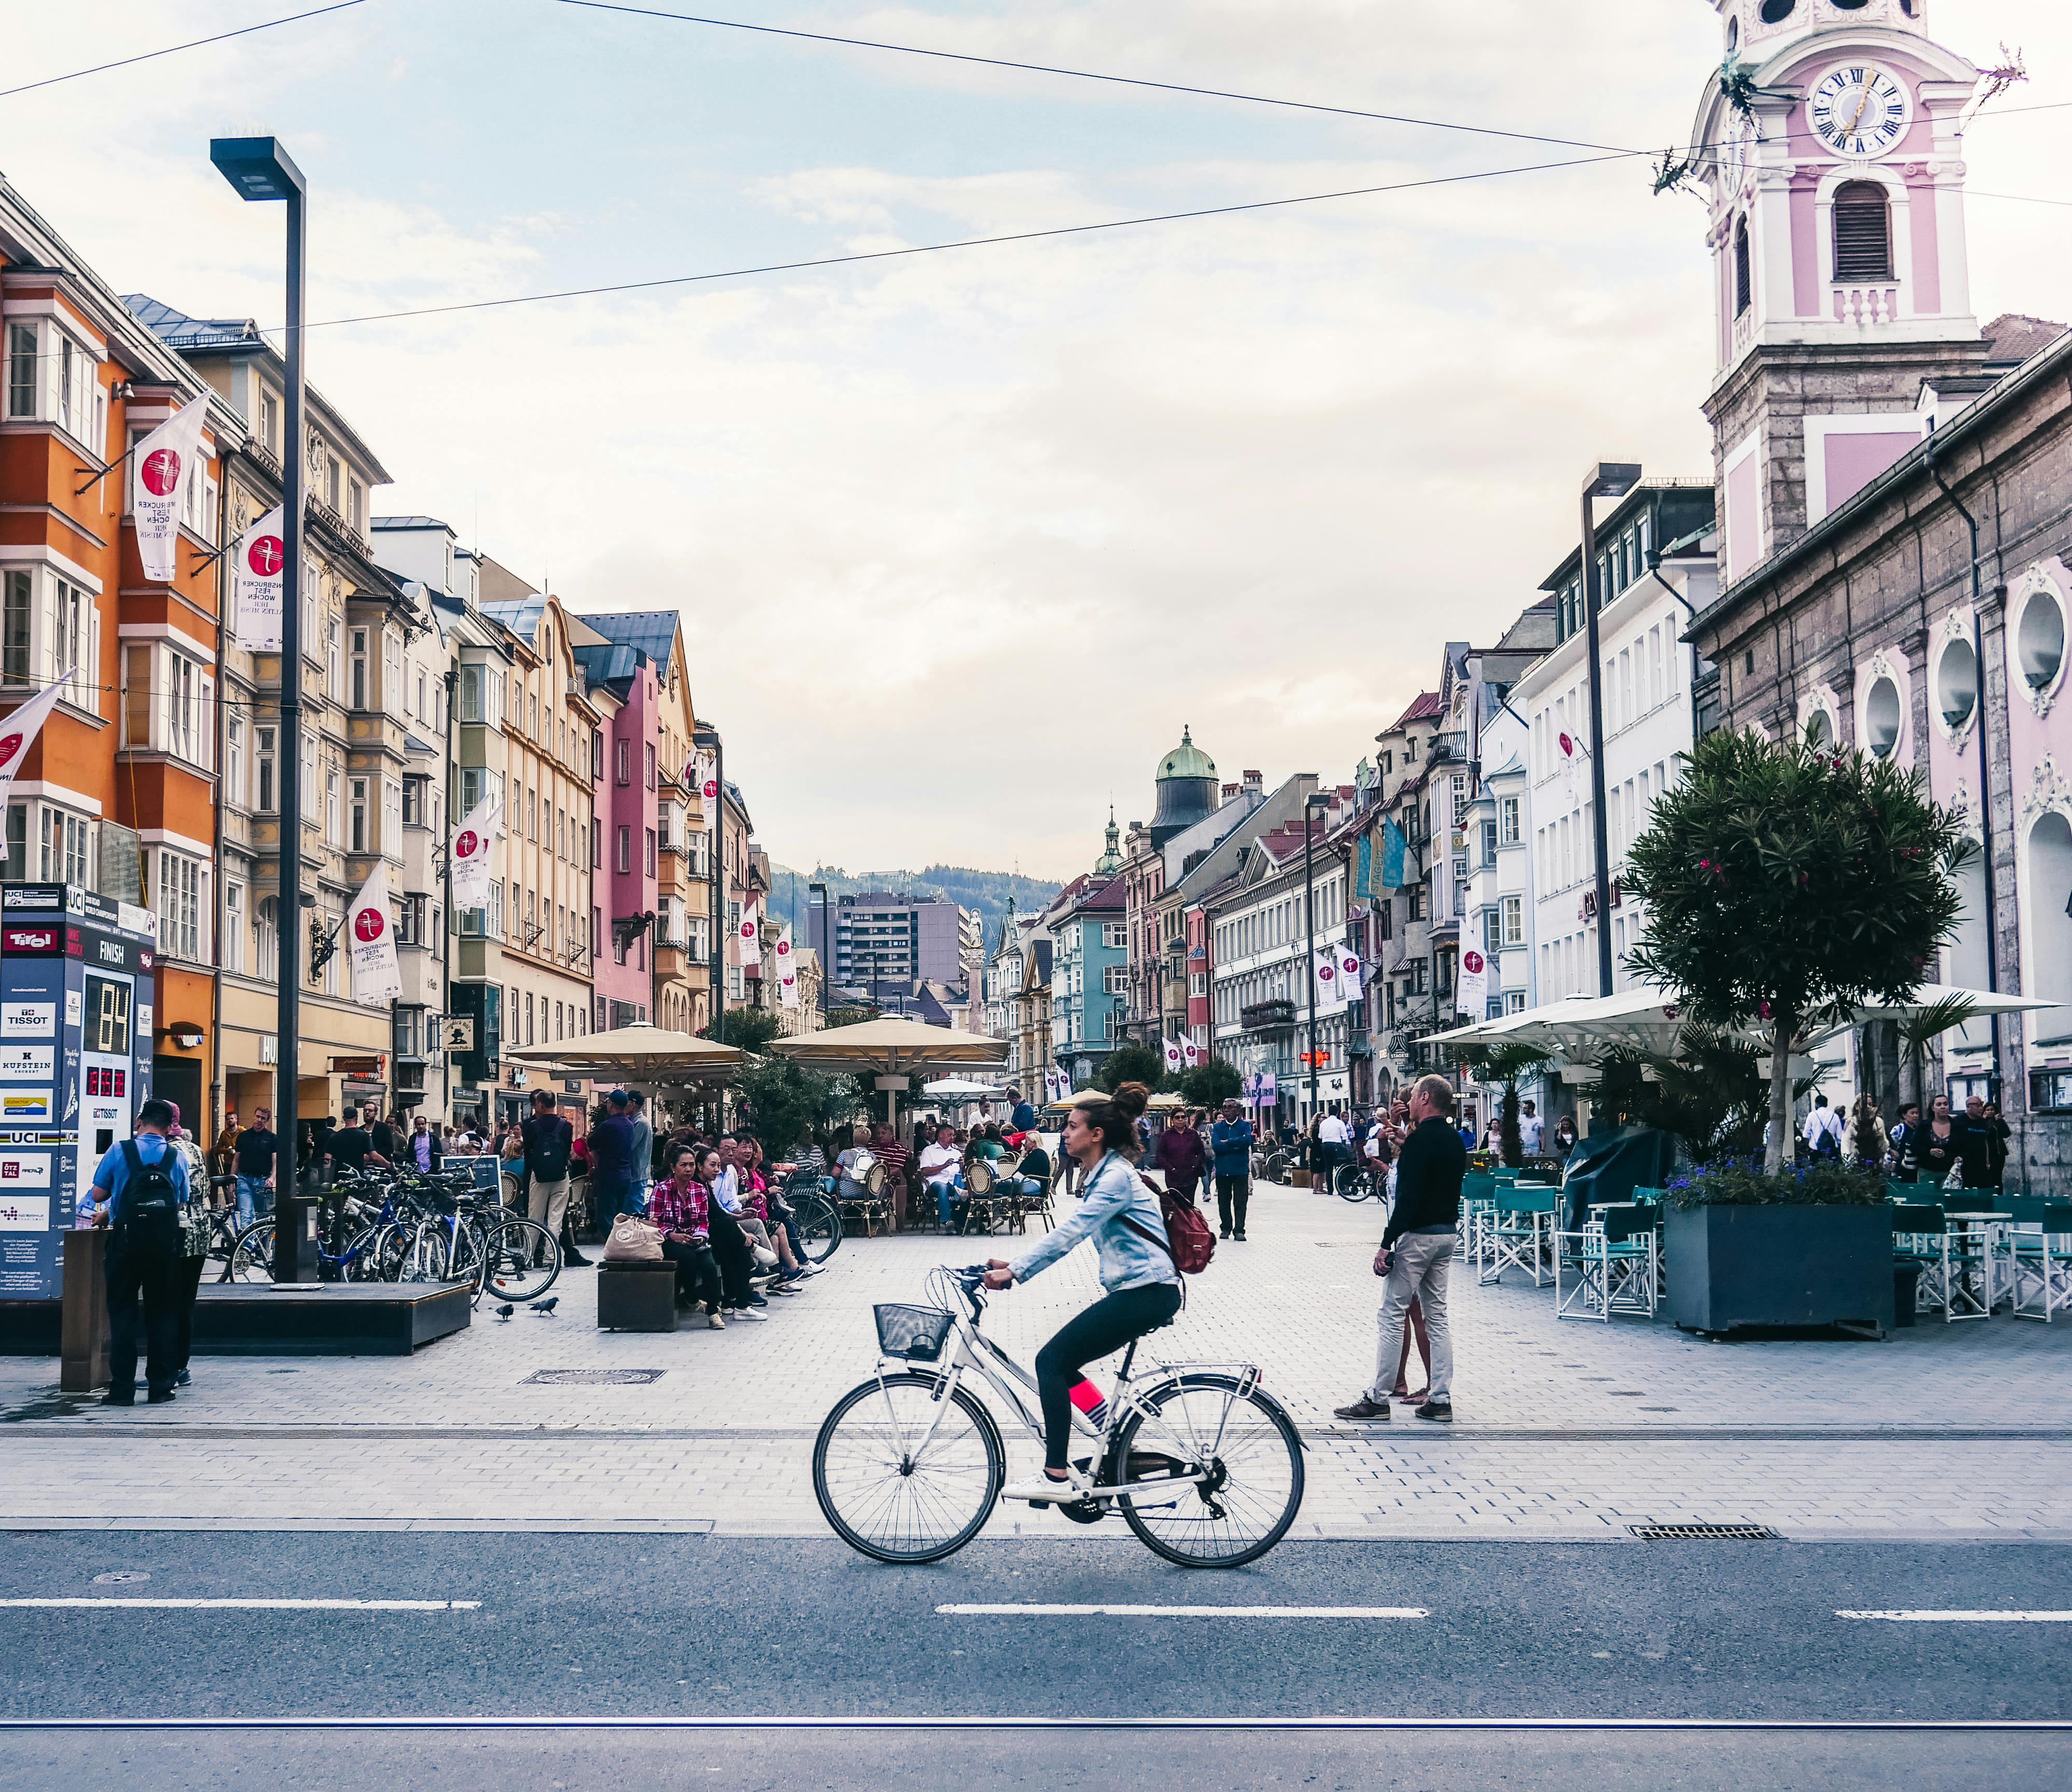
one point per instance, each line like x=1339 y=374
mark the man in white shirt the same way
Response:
x=1336 y=1138
x=940 y=1162
x=1528 y=1128
x=1823 y=1129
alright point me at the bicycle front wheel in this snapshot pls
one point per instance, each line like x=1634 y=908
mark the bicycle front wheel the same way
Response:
x=889 y=1503
x=1350 y=1182
x=520 y=1260
x=1253 y=1457
x=819 y=1225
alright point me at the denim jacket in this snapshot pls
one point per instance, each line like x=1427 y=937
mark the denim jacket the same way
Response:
x=1112 y=1194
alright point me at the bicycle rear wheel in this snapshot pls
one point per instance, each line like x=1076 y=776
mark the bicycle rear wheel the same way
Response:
x=880 y=1499
x=1254 y=1455
x=1351 y=1182
x=819 y=1224
x=251 y=1256
x=521 y=1260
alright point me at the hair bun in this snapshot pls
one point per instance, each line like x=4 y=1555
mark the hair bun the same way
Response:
x=1130 y=1100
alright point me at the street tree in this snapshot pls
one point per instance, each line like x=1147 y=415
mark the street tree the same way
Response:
x=1131 y=1064
x=1787 y=882
x=1210 y=1083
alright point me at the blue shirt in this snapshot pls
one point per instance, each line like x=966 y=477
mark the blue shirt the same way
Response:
x=114 y=1171
x=1113 y=1204
x=1023 y=1119
x=1231 y=1142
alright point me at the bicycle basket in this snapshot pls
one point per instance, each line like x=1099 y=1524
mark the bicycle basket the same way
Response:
x=917 y=1333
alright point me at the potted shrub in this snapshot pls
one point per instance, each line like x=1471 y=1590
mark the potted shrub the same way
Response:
x=1806 y=1245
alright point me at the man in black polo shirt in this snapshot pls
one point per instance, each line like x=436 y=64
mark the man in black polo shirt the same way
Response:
x=1416 y=1252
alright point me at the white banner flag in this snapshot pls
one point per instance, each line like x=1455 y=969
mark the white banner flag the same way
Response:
x=1471 y=986
x=1326 y=966
x=258 y=580
x=787 y=969
x=1568 y=753
x=748 y=931
x=371 y=933
x=1174 y=1062
x=1350 y=979
x=18 y=730
x=1190 y=1054
x=165 y=460
x=470 y=847
x=704 y=775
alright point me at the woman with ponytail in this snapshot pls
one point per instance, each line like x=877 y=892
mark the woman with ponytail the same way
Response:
x=1122 y=1215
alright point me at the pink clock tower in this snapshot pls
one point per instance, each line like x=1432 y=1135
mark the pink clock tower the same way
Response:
x=1829 y=146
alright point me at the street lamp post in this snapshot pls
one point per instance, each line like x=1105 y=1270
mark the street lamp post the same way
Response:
x=708 y=739
x=260 y=168
x=827 y=962
x=1606 y=479
x=1314 y=802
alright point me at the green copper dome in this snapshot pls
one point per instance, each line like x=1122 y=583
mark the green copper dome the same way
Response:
x=1186 y=760
x=1111 y=861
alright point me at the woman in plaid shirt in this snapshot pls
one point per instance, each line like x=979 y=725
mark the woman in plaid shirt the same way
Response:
x=681 y=1206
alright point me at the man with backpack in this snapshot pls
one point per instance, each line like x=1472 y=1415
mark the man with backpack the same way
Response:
x=548 y=1143
x=140 y=1188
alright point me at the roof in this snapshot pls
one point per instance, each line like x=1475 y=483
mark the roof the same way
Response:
x=177 y=330
x=652 y=631
x=410 y=522
x=1426 y=706
x=520 y=615
x=1111 y=894
x=1186 y=760
x=2012 y=338
x=609 y=664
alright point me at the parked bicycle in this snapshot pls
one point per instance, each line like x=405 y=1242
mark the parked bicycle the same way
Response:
x=1204 y=1464
x=1364 y=1180
x=818 y=1217
x=476 y=1239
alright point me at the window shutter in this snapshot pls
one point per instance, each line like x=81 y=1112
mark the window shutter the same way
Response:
x=1863 y=233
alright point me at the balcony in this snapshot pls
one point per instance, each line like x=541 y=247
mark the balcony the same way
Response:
x=1268 y=1017
x=1450 y=749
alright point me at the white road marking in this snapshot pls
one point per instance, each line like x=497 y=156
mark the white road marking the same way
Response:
x=1964 y=1617
x=1181 y=1611
x=244 y=1604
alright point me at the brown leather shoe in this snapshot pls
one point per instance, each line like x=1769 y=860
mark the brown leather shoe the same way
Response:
x=1363 y=1407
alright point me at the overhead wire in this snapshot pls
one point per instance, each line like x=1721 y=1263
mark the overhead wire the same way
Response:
x=174 y=49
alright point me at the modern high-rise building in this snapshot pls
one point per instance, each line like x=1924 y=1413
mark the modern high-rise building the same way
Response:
x=892 y=939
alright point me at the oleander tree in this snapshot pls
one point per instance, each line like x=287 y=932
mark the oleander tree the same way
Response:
x=1787 y=882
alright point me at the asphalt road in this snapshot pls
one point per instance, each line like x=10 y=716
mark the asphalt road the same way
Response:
x=727 y=1627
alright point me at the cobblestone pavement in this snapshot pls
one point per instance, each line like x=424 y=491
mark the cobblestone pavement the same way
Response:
x=1567 y=1429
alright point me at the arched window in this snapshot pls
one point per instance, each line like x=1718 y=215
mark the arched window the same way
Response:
x=1863 y=232
x=1744 y=283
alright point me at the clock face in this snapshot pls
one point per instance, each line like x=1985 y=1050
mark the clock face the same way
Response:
x=1858 y=111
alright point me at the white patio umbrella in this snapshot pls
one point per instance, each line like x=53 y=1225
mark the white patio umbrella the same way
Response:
x=635 y=1055
x=893 y=1046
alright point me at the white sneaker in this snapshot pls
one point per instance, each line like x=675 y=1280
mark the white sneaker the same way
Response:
x=1040 y=1487
x=756 y=1313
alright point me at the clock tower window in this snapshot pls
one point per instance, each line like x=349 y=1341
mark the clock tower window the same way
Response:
x=1775 y=12
x=1743 y=282
x=1863 y=233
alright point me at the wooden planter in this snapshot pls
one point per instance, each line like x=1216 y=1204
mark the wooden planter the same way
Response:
x=1732 y=1267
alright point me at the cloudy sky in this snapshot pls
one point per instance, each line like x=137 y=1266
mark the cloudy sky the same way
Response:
x=960 y=541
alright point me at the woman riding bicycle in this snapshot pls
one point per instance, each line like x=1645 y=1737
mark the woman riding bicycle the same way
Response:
x=1123 y=1217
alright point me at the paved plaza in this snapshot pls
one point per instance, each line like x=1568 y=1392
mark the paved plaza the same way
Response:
x=1567 y=1430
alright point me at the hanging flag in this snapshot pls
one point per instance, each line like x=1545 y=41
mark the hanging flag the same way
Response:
x=1191 y=1053
x=18 y=730
x=377 y=976
x=1363 y=878
x=470 y=847
x=748 y=930
x=164 y=462
x=1569 y=754
x=258 y=581
x=1326 y=966
x=787 y=968
x=1173 y=1060
x=1471 y=986
x=1350 y=976
x=1393 y=846
x=705 y=771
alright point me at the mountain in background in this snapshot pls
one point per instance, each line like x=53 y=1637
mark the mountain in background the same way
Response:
x=986 y=892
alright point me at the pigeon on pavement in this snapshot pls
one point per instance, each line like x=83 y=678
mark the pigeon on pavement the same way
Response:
x=546 y=1309
x=504 y=1313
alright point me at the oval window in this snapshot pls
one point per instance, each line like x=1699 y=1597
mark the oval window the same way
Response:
x=1957 y=683
x=2039 y=640
x=1819 y=730
x=1734 y=35
x=1848 y=6
x=1881 y=716
x=1775 y=12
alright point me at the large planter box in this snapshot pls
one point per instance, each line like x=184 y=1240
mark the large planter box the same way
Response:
x=1731 y=1267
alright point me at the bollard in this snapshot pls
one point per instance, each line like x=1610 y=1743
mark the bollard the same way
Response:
x=295 y=1238
x=83 y=1312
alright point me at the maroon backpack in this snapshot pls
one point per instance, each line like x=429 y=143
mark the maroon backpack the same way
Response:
x=1188 y=1240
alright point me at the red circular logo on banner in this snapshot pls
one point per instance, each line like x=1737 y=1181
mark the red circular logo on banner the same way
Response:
x=1567 y=747
x=161 y=472
x=9 y=746
x=465 y=846
x=1472 y=962
x=784 y=948
x=369 y=924
x=1325 y=973
x=748 y=930
x=267 y=555
x=710 y=788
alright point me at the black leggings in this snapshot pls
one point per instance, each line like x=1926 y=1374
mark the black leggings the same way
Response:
x=698 y=1272
x=1104 y=1328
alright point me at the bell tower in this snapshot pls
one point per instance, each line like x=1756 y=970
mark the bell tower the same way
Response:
x=1829 y=147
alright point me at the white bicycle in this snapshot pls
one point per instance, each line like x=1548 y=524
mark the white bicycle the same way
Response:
x=1204 y=1464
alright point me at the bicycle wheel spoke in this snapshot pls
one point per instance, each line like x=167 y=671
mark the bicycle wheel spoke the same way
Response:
x=1247 y=1447
x=884 y=1499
